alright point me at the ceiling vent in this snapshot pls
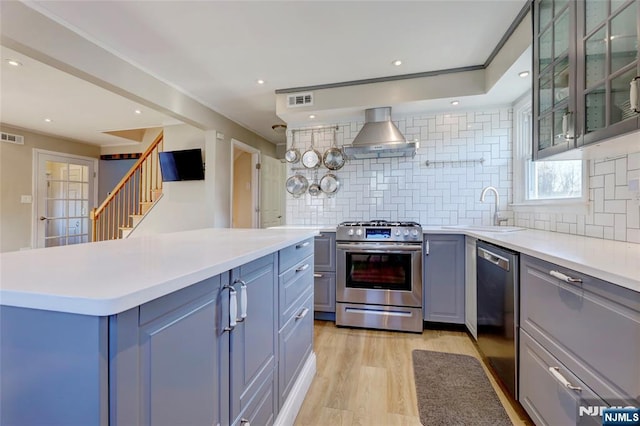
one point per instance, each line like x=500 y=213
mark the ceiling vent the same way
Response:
x=299 y=99
x=8 y=137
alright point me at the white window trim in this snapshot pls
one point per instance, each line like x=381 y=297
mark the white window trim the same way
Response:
x=521 y=153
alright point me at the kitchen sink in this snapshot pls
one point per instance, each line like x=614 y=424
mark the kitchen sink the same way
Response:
x=485 y=228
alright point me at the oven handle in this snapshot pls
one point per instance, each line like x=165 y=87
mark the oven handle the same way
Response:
x=378 y=248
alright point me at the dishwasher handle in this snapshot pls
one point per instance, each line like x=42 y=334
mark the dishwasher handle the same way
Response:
x=496 y=259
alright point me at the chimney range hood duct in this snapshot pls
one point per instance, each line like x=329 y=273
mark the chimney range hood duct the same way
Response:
x=379 y=138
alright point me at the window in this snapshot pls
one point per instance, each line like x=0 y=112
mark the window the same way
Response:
x=540 y=182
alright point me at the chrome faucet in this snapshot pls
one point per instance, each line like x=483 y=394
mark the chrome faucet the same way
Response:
x=497 y=220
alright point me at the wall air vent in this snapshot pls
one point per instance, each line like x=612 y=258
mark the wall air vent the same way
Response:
x=299 y=99
x=8 y=137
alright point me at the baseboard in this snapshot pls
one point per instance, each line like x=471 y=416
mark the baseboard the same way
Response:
x=292 y=405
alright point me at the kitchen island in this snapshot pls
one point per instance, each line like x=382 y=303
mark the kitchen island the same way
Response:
x=181 y=328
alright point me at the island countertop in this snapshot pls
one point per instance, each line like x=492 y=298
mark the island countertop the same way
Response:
x=109 y=277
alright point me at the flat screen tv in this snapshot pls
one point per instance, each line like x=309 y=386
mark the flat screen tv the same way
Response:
x=181 y=165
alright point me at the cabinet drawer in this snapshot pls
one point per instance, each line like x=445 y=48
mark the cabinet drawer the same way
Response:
x=324 y=291
x=294 y=254
x=296 y=342
x=544 y=397
x=261 y=408
x=592 y=327
x=293 y=284
x=325 y=252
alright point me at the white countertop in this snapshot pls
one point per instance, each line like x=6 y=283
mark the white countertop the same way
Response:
x=109 y=277
x=614 y=261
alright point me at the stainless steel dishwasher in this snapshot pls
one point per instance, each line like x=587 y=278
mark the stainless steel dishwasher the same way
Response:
x=498 y=315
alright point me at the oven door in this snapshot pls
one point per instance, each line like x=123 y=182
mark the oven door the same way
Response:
x=379 y=273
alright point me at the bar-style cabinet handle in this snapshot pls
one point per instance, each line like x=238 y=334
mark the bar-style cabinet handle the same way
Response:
x=302 y=268
x=316 y=275
x=555 y=371
x=303 y=245
x=565 y=278
x=302 y=314
x=633 y=94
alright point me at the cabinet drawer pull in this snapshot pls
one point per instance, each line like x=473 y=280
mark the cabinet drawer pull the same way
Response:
x=555 y=371
x=567 y=126
x=302 y=314
x=303 y=245
x=634 y=95
x=565 y=278
x=243 y=299
x=318 y=275
x=302 y=268
x=245 y=422
x=233 y=307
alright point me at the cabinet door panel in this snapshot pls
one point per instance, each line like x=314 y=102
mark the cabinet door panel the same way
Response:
x=444 y=278
x=253 y=341
x=325 y=252
x=324 y=291
x=546 y=400
x=167 y=369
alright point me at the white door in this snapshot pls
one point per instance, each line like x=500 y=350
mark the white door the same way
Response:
x=64 y=194
x=245 y=186
x=272 y=178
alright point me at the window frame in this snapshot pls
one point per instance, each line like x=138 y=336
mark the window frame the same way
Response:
x=522 y=170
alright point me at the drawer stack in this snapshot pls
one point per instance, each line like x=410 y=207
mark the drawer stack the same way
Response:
x=295 y=335
x=579 y=344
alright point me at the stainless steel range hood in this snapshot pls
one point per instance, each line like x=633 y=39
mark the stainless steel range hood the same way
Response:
x=379 y=138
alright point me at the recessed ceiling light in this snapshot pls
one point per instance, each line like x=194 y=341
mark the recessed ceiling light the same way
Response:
x=260 y=81
x=397 y=62
x=455 y=102
x=14 y=62
x=523 y=74
x=138 y=111
x=48 y=120
x=312 y=116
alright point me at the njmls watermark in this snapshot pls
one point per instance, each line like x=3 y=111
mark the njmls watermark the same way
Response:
x=621 y=414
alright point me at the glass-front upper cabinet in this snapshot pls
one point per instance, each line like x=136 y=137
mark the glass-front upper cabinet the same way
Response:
x=608 y=68
x=554 y=88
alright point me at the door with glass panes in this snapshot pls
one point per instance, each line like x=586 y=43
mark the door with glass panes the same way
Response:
x=64 y=196
x=608 y=62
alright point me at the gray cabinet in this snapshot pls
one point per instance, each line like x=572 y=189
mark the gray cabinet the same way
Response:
x=325 y=273
x=170 y=361
x=444 y=275
x=167 y=357
x=587 y=329
x=607 y=61
x=585 y=55
x=554 y=77
x=295 y=313
x=470 y=287
x=253 y=342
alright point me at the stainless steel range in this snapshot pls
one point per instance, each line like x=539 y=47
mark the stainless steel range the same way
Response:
x=379 y=275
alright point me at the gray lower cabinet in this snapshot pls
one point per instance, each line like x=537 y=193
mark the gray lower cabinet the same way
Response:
x=167 y=358
x=295 y=332
x=325 y=273
x=575 y=331
x=171 y=361
x=444 y=278
x=253 y=343
x=470 y=287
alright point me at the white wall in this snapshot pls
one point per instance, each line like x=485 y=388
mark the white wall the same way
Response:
x=613 y=212
x=184 y=205
x=405 y=188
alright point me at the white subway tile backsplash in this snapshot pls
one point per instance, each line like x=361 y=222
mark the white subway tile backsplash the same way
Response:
x=449 y=193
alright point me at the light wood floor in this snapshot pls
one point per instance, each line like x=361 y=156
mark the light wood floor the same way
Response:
x=365 y=377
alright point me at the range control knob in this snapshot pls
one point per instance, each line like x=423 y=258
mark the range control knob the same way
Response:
x=414 y=233
x=406 y=232
x=359 y=232
x=397 y=232
x=350 y=232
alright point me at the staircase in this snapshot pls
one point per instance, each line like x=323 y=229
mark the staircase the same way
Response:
x=131 y=199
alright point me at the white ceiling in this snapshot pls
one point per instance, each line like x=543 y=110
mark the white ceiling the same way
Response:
x=214 y=51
